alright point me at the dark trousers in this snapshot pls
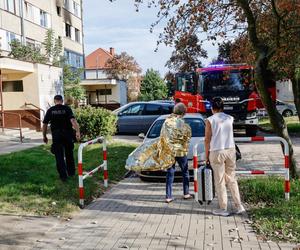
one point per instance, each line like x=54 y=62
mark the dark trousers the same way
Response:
x=183 y=164
x=62 y=148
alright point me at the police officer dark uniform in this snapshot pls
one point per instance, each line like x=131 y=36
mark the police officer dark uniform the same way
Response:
x=62 y=122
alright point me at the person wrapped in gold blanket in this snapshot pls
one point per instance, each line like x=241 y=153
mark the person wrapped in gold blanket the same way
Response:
x=163 y=152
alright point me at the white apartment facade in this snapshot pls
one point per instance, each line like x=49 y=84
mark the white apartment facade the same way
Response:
x=28 y=88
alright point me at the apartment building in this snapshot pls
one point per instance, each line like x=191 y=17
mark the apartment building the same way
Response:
x=28 y=88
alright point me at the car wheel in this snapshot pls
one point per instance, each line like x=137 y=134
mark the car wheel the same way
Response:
x=251 y=131
x=287 y=113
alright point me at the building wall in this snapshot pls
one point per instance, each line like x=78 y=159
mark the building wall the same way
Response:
x=33 y=29
x=123 y=92
x=39 y=88
x=284 y=91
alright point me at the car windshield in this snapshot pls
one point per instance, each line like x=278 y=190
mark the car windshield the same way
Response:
x=196 y=124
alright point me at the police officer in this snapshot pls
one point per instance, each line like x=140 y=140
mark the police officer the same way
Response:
x=62 y=122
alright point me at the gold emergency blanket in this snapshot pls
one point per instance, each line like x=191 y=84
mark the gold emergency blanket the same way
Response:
x=160 y=153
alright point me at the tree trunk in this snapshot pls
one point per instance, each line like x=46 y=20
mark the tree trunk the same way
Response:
x=296 y=89
x=276 y=119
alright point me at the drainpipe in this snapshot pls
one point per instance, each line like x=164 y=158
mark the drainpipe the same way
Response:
x=1 y=99
x=21 y=6
x=82 y=35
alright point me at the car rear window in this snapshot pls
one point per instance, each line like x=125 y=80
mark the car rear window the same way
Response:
x=197 y=125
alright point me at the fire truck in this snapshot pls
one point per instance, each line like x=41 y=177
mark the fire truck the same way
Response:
x=234 y=83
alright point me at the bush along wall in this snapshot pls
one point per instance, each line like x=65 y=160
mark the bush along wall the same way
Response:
x=95 y=122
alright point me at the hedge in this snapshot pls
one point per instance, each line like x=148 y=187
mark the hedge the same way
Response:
x=95 y=122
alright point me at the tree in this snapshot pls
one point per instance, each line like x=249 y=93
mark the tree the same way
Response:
x=26 y=52
x=53 y=47
x=72 y=88
x=153 y=87
x=122 y=66
x=49 y=43
x=268 y=24
x=186 y=55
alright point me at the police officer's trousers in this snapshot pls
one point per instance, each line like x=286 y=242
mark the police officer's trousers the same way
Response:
x=62 y=148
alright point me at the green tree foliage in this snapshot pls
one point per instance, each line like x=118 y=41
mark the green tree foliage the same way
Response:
x=26 y=52
x=71 y=80
x=49 y=43
x=53 y=47
x=153 y=86
x=95 y=122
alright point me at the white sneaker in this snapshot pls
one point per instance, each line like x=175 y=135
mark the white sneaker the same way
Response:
x=221 y=212
x=240 y=210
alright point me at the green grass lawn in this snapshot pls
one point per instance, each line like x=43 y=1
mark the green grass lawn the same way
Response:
x=293 y=124
x=273 y=217
x=29 y=182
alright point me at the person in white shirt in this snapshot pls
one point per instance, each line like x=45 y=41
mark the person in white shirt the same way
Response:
x=220 y=153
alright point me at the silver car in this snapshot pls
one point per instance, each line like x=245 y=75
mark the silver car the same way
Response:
x=197 y=124
x=286 y=109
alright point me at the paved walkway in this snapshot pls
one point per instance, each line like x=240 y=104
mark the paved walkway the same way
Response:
x=133 y=215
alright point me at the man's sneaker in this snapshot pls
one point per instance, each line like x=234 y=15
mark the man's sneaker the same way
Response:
x=240 y=210
x=221 y=212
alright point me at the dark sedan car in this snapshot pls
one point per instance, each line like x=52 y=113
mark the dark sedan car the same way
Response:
x=137 y=117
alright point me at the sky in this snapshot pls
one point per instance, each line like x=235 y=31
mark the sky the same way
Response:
x=118 y=25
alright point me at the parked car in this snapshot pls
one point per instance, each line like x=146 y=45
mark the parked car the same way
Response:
x=137 y=117
x=197 y=124
x=286 y=109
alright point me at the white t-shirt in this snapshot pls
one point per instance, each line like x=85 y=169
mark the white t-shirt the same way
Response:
x=222 y=131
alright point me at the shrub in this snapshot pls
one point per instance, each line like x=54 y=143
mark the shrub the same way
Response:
x=95 y=121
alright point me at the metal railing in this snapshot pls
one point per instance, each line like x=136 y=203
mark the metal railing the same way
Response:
x=284 y=171
x=82 y=177
x=33 y=105
x=3 y=113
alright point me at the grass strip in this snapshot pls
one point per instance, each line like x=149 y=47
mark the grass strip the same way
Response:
x=29 y=182
x=272 y=216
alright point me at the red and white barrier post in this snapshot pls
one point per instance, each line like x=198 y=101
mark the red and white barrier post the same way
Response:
x=105 y=171
x=195 y=165
x=82 y=177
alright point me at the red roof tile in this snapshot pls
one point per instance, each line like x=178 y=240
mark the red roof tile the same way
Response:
x=98 y=58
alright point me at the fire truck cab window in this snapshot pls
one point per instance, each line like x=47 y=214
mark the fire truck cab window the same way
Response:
x=185 y=83
x=217 y=81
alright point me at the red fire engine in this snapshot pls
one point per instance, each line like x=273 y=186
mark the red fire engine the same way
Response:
x=233 y=82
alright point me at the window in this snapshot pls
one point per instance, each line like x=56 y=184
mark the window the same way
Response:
x=74 y=59
x=58 y=10
x=30 y=42
x=104 y=91
x=197 y=125
x=29 y=11
x=152 y=109
x=134 y=110
x=9 y=38
x=68 y=30
x=66 y=4
x=167 y=109
x=76 y=8
x=13 y=86
x=10 y=6
x=43 y=18
x=77 y=35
